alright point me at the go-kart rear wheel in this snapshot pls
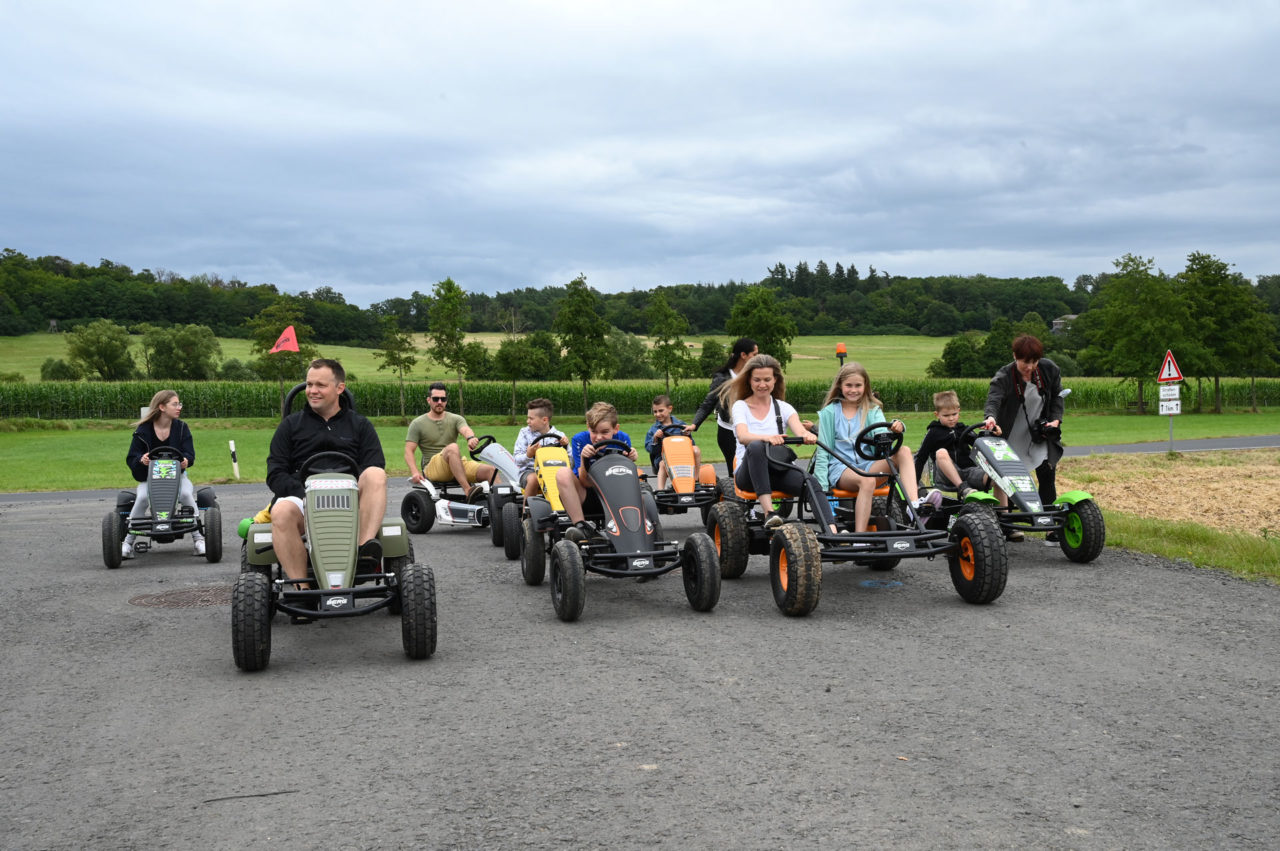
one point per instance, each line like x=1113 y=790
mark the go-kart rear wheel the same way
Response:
x=795 y=569
x=533 y=557
x=511 y=531
x=980 y=565
x=568 y=581
x=113 y=533
x=418 y=511
x=418 y=611
x=700 y=565
x=394 y=566
x=727 y=527
x=497 y=532
x=251 y=621
x=1084 y=532
x=213 y=534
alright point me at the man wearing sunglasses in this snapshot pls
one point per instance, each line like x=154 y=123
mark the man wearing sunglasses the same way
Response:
x=436 y=434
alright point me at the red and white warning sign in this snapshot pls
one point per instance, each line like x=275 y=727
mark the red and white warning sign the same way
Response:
x=1169 y=369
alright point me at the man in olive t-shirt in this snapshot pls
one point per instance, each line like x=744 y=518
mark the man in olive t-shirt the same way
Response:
x=436 y=434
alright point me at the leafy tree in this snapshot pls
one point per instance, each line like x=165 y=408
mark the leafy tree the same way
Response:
x=56 y=369
x=628 y=356
x=714 y=354
x=1232 y=326
x=667 y=328
x=961 y=358
x=266 y=328
x=521 y=359
x=581 y=331
x=184 y=352
x=1140 y=317
x=396 y=352
x=478 y=363
x=449 y=314
x=101 y=348
x=755 y=314
x=233 y=369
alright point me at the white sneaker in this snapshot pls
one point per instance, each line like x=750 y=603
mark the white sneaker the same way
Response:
x=126 y=549
x=198 y=549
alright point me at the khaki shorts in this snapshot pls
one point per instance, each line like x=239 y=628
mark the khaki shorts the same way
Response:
x=437 y=469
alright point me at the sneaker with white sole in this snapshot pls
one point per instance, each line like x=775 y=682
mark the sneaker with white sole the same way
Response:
x=198 y=547
x=773 y=521
x=126 y=549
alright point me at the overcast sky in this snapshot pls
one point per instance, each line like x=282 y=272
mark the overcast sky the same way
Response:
x=377 y=147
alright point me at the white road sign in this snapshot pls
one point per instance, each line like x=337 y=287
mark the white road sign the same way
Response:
x=1170 y=407
x=1170 y=391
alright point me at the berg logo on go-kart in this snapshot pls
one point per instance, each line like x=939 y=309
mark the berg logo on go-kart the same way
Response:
x=902 y=545
x=640 y=562
x=619 y=471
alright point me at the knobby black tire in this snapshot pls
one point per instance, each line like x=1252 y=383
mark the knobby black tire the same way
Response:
x=533 y=558
x=418 y=511
x=795 y=569
x=497 y=532
x=727 y=527
x=213 y=534
x=111 y=538
x=1084 y=526
x=418 y=611
x=700 y=565
x=511 y=530
x=980 y=566
x=568 y=581
x=251 y=621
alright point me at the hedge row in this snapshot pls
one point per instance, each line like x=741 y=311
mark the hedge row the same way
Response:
x=213 y=399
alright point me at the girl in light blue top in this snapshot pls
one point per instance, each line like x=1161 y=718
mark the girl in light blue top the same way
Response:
x=850 y=407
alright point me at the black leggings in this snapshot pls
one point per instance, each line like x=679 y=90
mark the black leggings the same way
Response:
x=759 y=474
x=728 y=443
x=1046 y=484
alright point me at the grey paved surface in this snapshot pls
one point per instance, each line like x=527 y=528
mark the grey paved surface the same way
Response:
x=1129 y=703
x=1263 y=441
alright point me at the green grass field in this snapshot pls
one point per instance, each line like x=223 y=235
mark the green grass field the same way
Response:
x=90 y=455
x=812 y=357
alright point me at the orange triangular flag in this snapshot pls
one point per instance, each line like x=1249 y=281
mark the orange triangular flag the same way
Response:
x=288 y=342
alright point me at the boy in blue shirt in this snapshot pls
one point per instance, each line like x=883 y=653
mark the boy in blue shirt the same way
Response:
x=602 y=424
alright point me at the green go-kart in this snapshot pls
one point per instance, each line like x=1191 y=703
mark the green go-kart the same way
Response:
x=166 y=520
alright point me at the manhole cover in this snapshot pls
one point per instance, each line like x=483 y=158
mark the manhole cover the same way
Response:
x=186 y=598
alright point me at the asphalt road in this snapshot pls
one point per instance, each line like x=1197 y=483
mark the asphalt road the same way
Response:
x=1128 y=703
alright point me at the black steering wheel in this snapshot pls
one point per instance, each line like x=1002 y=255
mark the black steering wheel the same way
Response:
x=612 y=446
x=328 y=462
x=877 y=442
x=671 y=429
x=482 y=443
x=549 y=440
x=973 y=432
x=165 y=453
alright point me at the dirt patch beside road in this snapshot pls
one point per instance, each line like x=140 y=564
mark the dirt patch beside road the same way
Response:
x=1236 y=491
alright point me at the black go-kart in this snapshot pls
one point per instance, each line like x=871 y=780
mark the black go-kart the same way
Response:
x=629 y=542
x=166 y=521
x=973 y=546
x=1074 y=520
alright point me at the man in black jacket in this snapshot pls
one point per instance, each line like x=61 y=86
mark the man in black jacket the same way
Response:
x=324 y=426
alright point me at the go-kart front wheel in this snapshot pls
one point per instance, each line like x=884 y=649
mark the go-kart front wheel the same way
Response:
x=511 y=531
x=568 y=581
x=113 y=533
x=700 y=565
x=727 y=527
x=980 y=564
x=795 y=569
x=1083 y=532
x=418 y=611
x=251 y=621
x=213 y=534
x=533 y=558
x=418 y=511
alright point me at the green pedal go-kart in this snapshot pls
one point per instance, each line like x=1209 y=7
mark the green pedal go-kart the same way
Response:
x=1074 y=520
x=166 y=520
x=337 y=590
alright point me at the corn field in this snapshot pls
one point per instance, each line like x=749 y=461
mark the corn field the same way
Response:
x=217 y=399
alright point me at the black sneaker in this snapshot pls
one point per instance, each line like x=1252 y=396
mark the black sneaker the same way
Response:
x=589 y=533
x=308 y=603
x=1013 y=535
x=369 y=557
x=574 y=535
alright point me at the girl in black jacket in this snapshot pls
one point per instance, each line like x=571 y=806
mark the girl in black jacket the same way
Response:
x=161 y=427
x=744 y=349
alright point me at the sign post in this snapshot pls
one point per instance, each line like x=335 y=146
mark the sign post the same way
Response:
x=1170 y=390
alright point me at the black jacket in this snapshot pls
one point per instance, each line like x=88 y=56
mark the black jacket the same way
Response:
x=304 y=433
x=144 y=440
x=712 y=400
x=937 y=436
x=1004 y=399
